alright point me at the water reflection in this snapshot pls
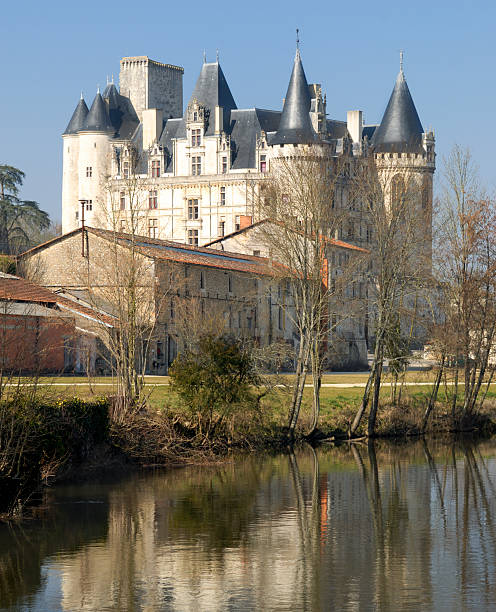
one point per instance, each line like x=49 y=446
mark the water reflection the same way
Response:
x=361 y=527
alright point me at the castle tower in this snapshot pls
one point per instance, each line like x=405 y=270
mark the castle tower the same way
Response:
x=150 y=84
x=295 y=126
x=94 y=162
x=405 y=158
x=70 y=175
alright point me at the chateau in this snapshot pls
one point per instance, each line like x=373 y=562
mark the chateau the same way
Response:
x=192 y=179
x=200 y=170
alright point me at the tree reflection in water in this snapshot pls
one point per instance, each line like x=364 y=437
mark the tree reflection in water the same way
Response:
x=361 y=527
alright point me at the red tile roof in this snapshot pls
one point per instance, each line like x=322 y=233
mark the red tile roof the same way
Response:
x=332 y=241
x=16 y=289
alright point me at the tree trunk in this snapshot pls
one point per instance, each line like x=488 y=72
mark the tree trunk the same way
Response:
x=365 y=401
x=433 y=397
x=375 y=401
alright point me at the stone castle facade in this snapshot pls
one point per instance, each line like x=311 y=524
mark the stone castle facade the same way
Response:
x=194 y=175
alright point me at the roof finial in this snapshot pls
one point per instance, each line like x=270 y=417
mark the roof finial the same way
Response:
x=112 y=79
x=107 y=80
x=98 y=89
x=401 y=60
x=82 y=98
x=297 y=38
x=217 y=55
x=204 y=56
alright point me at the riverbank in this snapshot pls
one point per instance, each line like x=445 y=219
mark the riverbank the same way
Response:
x=55 y=437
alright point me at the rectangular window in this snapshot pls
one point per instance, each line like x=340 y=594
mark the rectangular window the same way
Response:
x=123 y=225
x=202 y=279
x=263 y=163
x=222 y=225
x=196 y=165
x=193 y=237
x=229 y=283
x=224 y=165
x=256 y=253
x=155 y=168
x=89 y=171
x=222 y=196
x=153 y=228
x=89 y=205
x=280 y=322
x=193 y=209
x=152 y=199
x=195 y=138
x=172 y=308
x=123 y=200
x=125 y=169
x=237 y=223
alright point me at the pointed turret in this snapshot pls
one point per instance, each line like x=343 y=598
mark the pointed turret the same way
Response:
x=400 y=130
x=78 y=118
x=295 y=126
x=98 y=119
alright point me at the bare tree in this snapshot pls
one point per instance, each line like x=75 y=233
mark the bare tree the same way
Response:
x=302 y=201
x=399 y=214
x=466 y=268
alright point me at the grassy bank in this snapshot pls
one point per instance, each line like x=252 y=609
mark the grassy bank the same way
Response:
x=49 y=433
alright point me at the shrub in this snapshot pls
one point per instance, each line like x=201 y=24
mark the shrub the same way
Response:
x=38 y=437
x=215 y=381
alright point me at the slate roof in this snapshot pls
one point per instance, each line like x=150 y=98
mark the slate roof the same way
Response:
x=246 y=126
x=400 y=129
x=16 y=289
x=98 y=119
x=295 y=126
x=121 y=112
x=211 y=90
x=168 y=133
x=78 y=118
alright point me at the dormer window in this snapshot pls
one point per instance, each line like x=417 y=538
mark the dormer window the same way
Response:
x=195 y=116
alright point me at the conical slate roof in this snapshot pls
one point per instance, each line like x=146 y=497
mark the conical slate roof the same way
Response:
x=400 y=130
x=98 y=119
x=78 y=118
x=295 y=126
x=212 y=90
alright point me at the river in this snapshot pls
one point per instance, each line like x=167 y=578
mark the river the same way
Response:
x=360 y=527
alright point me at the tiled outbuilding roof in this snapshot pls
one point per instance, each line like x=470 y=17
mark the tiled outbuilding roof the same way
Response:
x=16 y=289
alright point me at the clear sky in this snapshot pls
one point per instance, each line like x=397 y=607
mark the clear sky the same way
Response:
x=52 y=50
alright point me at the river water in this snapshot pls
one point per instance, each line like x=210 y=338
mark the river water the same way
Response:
x=360 y=527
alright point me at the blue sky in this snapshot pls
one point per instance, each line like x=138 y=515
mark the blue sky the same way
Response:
x=51 y=51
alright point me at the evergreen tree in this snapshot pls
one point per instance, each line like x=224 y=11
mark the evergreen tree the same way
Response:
x=18 y=218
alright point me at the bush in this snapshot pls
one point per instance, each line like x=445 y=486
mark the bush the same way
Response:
x=215 y=381
x=38 y=437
